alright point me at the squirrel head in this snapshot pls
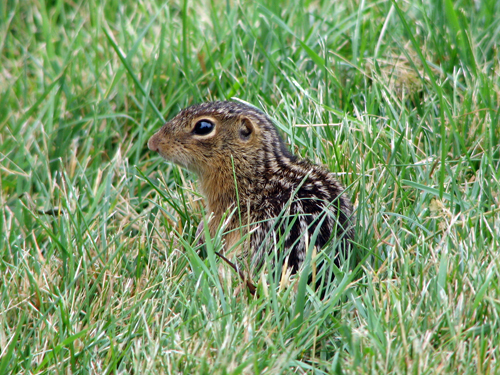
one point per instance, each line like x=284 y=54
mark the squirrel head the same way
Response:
x=204 y=138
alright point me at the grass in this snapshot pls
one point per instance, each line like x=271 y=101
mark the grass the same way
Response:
x=99 y=270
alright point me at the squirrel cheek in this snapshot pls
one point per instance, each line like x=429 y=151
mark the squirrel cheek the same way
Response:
x=177 y=157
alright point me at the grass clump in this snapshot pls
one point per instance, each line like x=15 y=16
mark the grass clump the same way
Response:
x=99 y=268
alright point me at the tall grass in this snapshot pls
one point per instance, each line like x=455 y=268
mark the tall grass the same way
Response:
x=100 y=271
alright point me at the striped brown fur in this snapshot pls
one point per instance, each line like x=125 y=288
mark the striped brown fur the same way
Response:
x=245 y=146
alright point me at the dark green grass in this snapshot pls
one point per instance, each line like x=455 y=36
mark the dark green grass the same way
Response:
x=99 y=268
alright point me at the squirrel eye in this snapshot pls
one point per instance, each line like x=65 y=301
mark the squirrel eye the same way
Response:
x=203 y=127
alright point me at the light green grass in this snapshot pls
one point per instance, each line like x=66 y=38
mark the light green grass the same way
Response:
x=110 y=280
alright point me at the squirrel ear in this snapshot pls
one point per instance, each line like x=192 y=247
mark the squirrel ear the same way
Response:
x=246 y=129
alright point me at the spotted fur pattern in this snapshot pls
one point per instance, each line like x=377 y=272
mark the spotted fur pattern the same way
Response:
x=277 y=192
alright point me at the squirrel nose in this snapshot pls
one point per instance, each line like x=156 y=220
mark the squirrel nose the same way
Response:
x=153 y=143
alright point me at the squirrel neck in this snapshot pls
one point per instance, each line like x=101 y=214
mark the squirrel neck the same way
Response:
x=244 y=182
x=224 y=190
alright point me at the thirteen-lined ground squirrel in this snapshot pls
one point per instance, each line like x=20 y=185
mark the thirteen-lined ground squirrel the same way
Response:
x=239 y=157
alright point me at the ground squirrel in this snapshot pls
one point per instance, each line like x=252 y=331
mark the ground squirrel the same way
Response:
x=239 y=156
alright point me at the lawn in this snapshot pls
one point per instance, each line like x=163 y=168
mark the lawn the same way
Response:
x=100 y=271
